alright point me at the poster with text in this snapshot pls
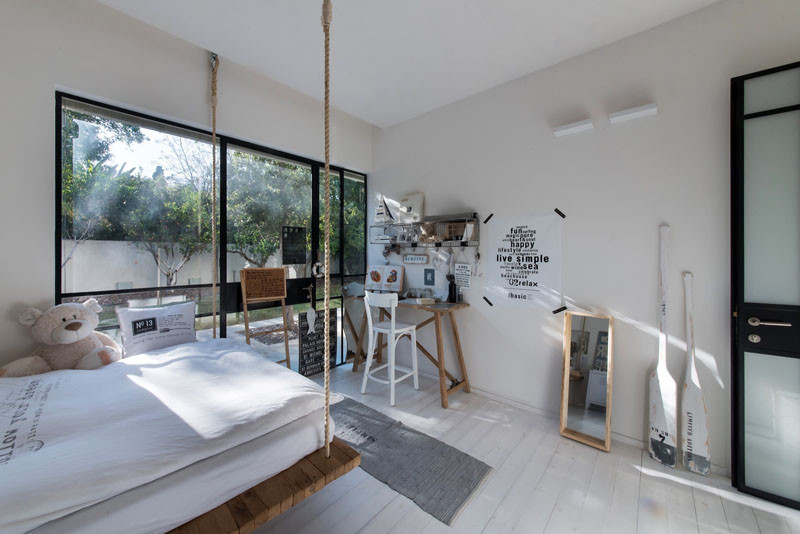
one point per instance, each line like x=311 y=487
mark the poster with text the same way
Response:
x=312 y=345
x=524 y=260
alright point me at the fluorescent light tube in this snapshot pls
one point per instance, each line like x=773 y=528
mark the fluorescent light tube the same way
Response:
x=573 y=128
x=633 y=113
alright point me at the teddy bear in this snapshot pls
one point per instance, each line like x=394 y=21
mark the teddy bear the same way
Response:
x=67 y=340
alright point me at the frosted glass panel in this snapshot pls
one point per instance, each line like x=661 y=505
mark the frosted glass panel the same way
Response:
x=772 y=91
x=772 y=424
x=772 y=209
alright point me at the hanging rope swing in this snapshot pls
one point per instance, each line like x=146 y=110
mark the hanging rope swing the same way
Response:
x=214 y=70
x=286 y=489
x=327 y=14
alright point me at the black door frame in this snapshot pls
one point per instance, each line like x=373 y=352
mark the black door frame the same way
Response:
x=738 y=304
x=229 y=293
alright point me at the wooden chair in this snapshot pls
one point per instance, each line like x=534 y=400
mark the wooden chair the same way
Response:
x=393 y=331
x=265 y=285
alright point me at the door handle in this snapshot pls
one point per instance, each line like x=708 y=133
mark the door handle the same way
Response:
x=310 y=290
x=755 y=321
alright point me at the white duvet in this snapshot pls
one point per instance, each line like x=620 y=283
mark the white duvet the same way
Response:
x=69 y=439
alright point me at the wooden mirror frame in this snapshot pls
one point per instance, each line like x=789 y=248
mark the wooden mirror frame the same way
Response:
x=604 y=445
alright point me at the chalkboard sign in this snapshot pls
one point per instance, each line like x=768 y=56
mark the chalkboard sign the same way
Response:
x=293 y=244
x=263 y=283
x=312 y=346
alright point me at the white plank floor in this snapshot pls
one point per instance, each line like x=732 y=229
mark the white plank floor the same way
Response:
x=540 y=483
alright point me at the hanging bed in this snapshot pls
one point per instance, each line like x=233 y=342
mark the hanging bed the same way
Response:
x=155 y=440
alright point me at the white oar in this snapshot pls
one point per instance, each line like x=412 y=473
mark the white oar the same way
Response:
x=694 y=414
x=663 y=390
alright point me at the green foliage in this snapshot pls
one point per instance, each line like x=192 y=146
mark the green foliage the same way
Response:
x=86 y=180
x=264 y=194
x=168 y=214
x=165 y=216
x=355 y=203
x=162 y=220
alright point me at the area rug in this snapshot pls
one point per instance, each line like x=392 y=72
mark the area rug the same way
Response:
x=439 y=478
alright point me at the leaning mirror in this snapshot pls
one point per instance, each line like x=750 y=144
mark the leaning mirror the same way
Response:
x=587 y=378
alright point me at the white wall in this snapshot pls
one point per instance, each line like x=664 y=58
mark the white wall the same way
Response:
x=495 y=153
x=93 y=50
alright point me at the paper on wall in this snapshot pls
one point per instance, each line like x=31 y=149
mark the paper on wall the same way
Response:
x=384 y=278
x=463 y=274
x=524 y=260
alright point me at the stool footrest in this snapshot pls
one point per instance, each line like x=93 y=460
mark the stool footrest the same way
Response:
x=409 y=372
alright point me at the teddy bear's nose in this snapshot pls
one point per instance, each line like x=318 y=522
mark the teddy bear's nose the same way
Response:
x=73 y=326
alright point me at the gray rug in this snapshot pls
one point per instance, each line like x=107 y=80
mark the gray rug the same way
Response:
x=436 y=476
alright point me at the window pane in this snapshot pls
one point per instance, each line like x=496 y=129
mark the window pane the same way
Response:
x=772 y=91
x=335 y=218
x=136 y=203
x=266 y=194
x=355 y=204
x=336 y=290
x=142 y=299
x=771 y=215
x=271 y=345
x=772 y=424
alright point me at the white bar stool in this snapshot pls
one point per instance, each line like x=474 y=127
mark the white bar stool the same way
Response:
x=394 y=331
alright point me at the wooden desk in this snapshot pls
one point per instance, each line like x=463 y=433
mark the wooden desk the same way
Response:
x=438 y=312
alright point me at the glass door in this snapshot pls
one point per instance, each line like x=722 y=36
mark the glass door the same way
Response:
x=336 y=300
x=766 y=284
x=347 y=247
x=269 y=224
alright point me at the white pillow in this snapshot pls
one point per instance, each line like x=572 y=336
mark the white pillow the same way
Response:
x=146 y=329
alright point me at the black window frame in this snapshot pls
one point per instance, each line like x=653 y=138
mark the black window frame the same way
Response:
x=223 y=140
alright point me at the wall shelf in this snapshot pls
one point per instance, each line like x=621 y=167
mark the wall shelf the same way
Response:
x=461 y=230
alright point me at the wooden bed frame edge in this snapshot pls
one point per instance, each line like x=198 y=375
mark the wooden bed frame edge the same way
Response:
x=251 y=509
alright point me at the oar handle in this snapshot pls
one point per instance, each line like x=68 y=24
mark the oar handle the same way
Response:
x=663 y=232
x=688 y=279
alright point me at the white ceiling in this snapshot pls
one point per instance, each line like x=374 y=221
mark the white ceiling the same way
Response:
x=394 y=60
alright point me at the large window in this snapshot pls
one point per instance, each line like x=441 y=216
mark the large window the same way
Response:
x=265 y=196
x=134 y=213
x=135 y=210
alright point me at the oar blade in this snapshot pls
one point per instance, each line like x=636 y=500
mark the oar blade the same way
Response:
x=694 y=438
x=663 y=445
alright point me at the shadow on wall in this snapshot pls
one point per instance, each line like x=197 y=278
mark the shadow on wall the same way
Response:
x=704 y=357
x=12 y=315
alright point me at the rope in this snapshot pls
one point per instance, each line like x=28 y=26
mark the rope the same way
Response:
x=327 y=13
x=214 y=69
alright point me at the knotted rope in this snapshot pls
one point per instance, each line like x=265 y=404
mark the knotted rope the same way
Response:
x=327 y=14
x=214 y=69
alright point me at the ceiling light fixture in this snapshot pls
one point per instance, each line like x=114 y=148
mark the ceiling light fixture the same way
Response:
x=640 y=112
x=573 y=128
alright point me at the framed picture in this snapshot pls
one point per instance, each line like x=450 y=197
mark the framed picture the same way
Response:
x=384 y=278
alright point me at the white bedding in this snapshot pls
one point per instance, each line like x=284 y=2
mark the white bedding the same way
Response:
x=70 y=439
x=178 y=497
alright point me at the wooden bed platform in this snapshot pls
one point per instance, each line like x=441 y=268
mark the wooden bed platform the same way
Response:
x=256 y=506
